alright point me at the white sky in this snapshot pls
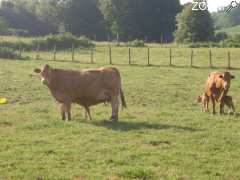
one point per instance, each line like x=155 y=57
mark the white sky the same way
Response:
x=213 y=5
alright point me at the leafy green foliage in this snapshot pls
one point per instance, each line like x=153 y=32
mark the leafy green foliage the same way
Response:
x=137 y=19
x=7 y=53
x=194 y=26
x=62 y=41
x=83 y=17
x=136 y=43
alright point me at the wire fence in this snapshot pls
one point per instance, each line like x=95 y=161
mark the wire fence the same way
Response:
x=146 y=56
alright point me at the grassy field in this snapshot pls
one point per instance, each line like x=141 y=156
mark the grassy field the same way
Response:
x=162 y=135
x=231 y=31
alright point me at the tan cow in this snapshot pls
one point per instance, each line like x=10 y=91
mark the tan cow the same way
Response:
x=84 y=87
x=217 y=87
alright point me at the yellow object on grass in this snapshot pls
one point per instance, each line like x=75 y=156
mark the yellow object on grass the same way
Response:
x=3 y=100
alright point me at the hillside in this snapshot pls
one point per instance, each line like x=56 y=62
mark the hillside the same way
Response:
x=231 y=30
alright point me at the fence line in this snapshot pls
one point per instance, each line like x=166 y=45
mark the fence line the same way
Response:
x=193 y=57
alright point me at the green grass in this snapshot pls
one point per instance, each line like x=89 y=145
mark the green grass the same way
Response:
x=231 y=31
x=162 y=135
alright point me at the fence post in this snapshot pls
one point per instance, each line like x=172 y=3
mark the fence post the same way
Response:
x=73 y=52
x=110 y=55
x=229 y=60
x=210 y=58
x=20 y=50
x=191 y=57
x=37 y=51
x=148 y=56
x=129 y=56
x=54 y=53
x=92 y=60
x=117 y=39
x=170 y=57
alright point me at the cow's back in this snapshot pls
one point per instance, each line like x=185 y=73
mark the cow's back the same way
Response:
x=69 y=85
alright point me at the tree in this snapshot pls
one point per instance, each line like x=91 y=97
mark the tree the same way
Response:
x=83 y=17
x=137 y=19
x=3 y=26
x=194 y=26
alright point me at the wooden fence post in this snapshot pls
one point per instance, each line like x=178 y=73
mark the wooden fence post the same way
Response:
x=110 y=55
x=210 y=58
x=129 y=56
x=73 y=52
x=170 y=57
x=148 y=56
x=229 y=60
x=92 y=58
x=20 y=50
x=191 y=57
x=54 y=53
x=37 y=51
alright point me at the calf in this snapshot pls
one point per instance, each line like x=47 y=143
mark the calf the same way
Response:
x=227 y=100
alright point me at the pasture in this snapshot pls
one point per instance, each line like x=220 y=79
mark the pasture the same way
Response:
x=161 y=135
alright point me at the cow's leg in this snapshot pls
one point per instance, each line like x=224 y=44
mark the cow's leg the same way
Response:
x=213 y=103
x=68 y=109
x=63 y=110
x=114 y=105
x=87 y=113
x=222 y=107
x=231 y=106
x=206 y=105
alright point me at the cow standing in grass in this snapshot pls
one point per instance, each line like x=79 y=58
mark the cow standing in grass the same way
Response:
x=85 y=87
x=217 y=87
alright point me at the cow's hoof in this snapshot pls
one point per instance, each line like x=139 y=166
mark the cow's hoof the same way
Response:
x=114 y=119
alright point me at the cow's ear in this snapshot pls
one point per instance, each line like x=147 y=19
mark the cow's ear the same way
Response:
x=232 y=77
x=37 y=70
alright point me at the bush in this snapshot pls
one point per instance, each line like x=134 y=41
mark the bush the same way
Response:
x=62 y=41
x=8 y=53
x=219 y=36
x=16 y=45
x=136 y=43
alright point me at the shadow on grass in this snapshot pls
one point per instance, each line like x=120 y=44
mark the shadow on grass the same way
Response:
x=128 y=126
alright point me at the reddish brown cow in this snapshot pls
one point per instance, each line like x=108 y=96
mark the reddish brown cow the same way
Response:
x=85 y=87
x=217 y=87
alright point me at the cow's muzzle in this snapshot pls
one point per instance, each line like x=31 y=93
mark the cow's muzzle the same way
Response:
x=44 y=81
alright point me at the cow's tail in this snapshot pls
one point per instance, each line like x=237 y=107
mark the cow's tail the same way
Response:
x=124 y=104
x=123 y=100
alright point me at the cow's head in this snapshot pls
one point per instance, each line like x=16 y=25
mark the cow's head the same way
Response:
x=45 y=73
x=226 y=79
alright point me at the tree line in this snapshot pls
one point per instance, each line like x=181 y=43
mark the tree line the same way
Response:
x=126 y=20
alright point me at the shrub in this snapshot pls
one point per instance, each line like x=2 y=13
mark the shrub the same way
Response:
x=16 y=45
x=136 y=43
x=219 y=36
x=8 y=53
x=62 y=41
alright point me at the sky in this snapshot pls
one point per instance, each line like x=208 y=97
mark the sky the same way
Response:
x=213 y=5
